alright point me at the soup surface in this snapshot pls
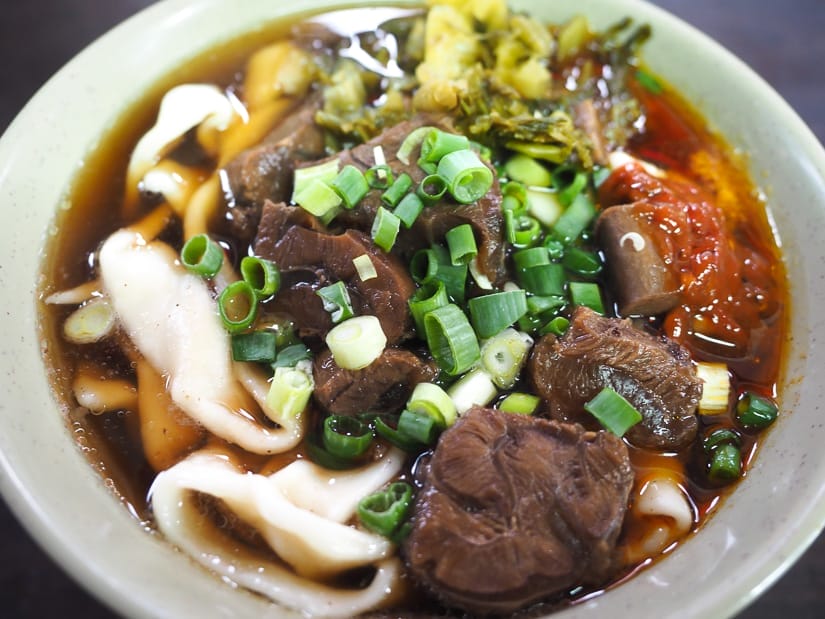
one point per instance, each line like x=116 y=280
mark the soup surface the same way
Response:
x=437 y=311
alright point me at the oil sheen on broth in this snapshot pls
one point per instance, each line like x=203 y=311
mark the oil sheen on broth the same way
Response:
x=606 y=198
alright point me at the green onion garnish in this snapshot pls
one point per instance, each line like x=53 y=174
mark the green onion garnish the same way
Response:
x=289 y=356
x=451 y=339
x=504 y=355
x=392 y=196
x=238 y=306
x=424 y=265
x=263 y=275
x=587 y=294
x=543 y=279
x=756 y=411
x=255 y=346
x=346 y=437
x=351 y=185
x=492 y=313
x=418 y=427
x=514 y=198
x=725 y=463
x=720 y=436
x=289 y=393
x=543 y=305
x=385 y=228
x=557 y=326
x=202 y=256
x=366 y=269
x=467 y=178
x=519 y=403
x=527 y=170
x=357 y=342
x=395 y=437
x=336 y=301
x=462 y=244
x=323 y=172
x=614 y=412
x=434 y=263
x=408 y=209
x=428 y=297
x=384 y=512
x=569 y=183
x=379 y=176
x=317 y=198
x=409 y=144
x=583 y=263
x=573 y=221
x=533 y=256
x=555 y=249
x=439 y=143
x=432 y=400
x=431 y=188
x=521 y=230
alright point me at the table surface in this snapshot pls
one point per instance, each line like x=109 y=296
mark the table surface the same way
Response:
x=782 y=41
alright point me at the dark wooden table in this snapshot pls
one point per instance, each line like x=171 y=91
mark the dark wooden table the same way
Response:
x=783 y=41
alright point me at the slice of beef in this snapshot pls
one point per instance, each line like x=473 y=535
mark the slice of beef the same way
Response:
x=383 y=386
x=654 y=374
x=318 y=259
x=640 y=279
x=264 y=172
x=278 y=217
x=515 y=509
x=484 y=216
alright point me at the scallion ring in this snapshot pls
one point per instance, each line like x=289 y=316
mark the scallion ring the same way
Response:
x=263 y=275
x=238 y=306
x=492 y=313
x=202 y=256
x=346 y=437
x=384 y=512
x=431 y=188
x=451 y=339
x=467 y=178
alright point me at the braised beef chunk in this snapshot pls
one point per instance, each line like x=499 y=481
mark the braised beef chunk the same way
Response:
x=484 y=216
x=317 y=259
x=515 y=509
x=264 y=172
x=278 y=217
x=383 y=386
x=640 y=278
x=653 y=374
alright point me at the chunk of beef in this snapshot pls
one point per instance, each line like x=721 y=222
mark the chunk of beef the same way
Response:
x=484 y=216
x=278 y=217
x=317 y=259
x=515 y=509
x=264 y=172
x=640 y=279
x=654 y=375
x=383 y=386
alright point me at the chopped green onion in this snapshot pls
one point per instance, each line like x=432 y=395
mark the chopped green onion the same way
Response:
x=462 y=244
x=492 y=313
x=357 y=342
x=439 y=143
x=725 y=463
x=554 y=153
x=648 y=82
x=424 y=265
x=614 y=412
x=543 y=279
x=202 y=256
x=514 y=198
x=428 y=297
x=409 y=209
x=555 y=249
x=91 y=322
x=317 y=198
x=519 y=403
x=434 y=263
x=527 y=170
x=544 y=205
x=263 y=275
x=569 y=183
x=289 y=394
x=289 y=356
x=384 y=512
x=385 y=228
x=573 y=221
x=346 y=437
x=238 y=306
x=582 y=263
x=323 y=172
x=431 y=188
x=409 y=144
x=720 y=436
x=475 y=388
x=396 y=438
x=557 y=326
x=587 y=294
x=351 y=185
x=451 y=339
x=255 y=346
x=392 y=196
x=756 y=411
x=432 y=400
x=521 y=230
x=365 y=268
x=533 y=256
x=530 y=323
x=538 y=304
x=467 y=178
x=418 y=427
x=336 y=301
x=379 y=176
x=504 y=356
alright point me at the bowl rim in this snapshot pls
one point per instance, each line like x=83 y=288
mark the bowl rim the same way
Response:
x=45 y=526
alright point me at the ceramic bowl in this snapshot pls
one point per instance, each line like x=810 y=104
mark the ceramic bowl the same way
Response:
x=770 y=519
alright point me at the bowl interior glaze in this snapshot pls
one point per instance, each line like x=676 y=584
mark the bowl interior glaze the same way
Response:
x=776 y=511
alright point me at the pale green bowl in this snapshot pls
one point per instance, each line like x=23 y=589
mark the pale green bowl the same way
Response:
x=774 y=514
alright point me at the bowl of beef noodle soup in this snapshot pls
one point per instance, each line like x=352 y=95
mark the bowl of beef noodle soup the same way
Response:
x=453 y=309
